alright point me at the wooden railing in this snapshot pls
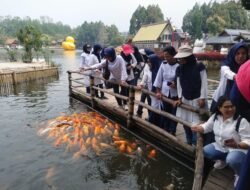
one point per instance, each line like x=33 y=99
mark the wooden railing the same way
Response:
x=131 y=118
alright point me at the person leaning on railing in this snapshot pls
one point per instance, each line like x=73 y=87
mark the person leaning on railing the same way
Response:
x=191 y=78
x=232 y=136
x=117 y=68
x=165 y=86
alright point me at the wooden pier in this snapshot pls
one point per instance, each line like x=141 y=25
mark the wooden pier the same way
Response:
x=216 y=179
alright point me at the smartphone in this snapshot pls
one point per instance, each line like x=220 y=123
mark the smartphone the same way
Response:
x=228 y=140
x=169 y=83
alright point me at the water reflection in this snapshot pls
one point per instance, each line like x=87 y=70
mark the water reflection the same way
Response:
x=27 y=87
x=69 y=55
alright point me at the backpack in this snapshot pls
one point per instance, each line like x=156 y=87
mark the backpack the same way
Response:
x=106 y=72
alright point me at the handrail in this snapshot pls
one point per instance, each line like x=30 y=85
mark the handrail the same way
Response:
x=168 y=100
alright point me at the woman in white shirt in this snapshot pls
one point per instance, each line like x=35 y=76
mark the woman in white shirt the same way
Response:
x=117 y=68
x=87 y=60
x=165 y=86
x=237 y=55
x=231 y=144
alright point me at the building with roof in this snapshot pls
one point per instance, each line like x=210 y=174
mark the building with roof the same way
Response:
x=227 y=38
x=11 y=43
x=158 y=36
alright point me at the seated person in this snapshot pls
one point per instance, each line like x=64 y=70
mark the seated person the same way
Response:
x=232 y=136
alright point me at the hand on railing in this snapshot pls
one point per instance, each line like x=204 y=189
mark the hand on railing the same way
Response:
x=82 y=69
x=201 y=103
x=123 y=83
x=159 y=95
x=177 y=102
x=197 y=128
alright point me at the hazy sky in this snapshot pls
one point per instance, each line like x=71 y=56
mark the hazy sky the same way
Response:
x=75 y=12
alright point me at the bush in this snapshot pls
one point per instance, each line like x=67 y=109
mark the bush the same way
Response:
x=12 y=54
x=210 y=56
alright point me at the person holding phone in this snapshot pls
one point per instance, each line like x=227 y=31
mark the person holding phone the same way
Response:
x=165 y=86
x=232 y=136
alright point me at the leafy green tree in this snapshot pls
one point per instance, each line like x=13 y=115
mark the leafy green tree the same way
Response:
x=138 y=19
x=114 y=38
x=31 y=39
x=215 y=24
x=143 y=16
x=214 y=17
x=192 y=22
x=97 y=32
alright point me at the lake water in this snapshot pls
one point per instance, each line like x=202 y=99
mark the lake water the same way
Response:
x=29 y=161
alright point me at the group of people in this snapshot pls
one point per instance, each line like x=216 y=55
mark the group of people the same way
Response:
x=230 y=117
x=181 y=78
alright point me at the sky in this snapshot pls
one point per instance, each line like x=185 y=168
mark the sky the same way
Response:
x=75 y=12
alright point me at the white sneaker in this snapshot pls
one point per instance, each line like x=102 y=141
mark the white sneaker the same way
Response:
x=236 y=178
x=220 y=164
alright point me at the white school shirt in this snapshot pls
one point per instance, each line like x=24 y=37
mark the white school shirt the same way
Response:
x=224 y=130
x=117 y=68
x=165 y=74
x=86 y=61
x=225 y=74
x=147 y=78
x=133 y=63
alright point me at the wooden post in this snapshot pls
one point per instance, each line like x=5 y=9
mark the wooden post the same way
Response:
x=70 y=82
x=199 y=164
x=130 y=106
x=13 y=78
x=92 y=90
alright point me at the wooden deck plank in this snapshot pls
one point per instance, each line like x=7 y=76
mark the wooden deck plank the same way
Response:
x=220 y=179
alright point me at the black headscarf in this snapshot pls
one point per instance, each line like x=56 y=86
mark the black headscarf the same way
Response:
x=96 y=51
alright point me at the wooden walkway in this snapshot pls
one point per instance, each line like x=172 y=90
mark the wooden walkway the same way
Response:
x=220 y=180
x=216 y=179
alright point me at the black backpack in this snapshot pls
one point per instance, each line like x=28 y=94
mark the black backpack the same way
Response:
x=106 y=72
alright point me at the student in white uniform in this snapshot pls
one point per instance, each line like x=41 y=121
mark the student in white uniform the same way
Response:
x=165 y=86
x=88 y=59
x=191 y=88
x=117 y=68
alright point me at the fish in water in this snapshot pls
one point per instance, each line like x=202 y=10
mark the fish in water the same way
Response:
x=84 y=132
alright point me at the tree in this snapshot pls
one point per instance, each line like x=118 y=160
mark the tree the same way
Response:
x=97 y=32
x=215 y=24
x=214 y=17
x=143 y=16
x=192 y=22
x=138 y=18
x=31 y=39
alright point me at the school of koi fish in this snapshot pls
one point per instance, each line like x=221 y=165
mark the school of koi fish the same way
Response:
x=89 y=131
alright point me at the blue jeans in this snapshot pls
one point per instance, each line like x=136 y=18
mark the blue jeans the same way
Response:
x=233 y=158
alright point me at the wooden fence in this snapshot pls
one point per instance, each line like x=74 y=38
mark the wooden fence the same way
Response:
x=131 y=119
x=13 y=78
